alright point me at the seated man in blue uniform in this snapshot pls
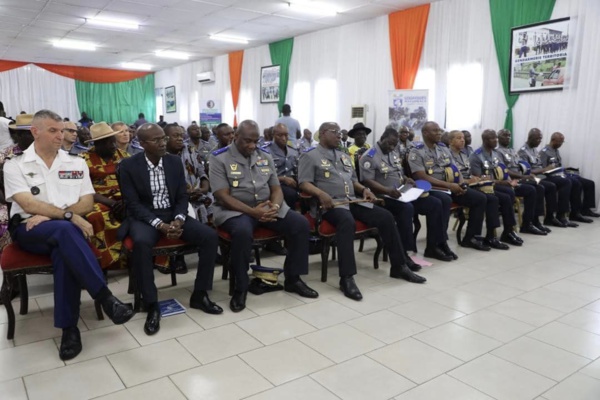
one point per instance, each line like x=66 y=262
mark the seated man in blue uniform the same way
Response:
x=51 y=191
x=327 y=174
x=248 y=195
x=381 y=171
x=154 y=188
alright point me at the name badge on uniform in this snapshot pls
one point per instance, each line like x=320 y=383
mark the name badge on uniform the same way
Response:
x=70 y=174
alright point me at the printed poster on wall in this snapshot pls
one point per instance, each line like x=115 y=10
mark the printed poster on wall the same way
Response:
x=210 y=112
x=409 y=108
x=539 y=56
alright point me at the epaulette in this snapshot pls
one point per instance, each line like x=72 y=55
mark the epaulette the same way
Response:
x=418 y=145
x=441 y=144
x=220 y=151
x=371 y=153
x=265 y=149
x=478 y=151
x=545 y=149
x=309 y=149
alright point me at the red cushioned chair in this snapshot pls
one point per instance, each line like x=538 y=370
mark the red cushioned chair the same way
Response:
x=164 y=247
x=16 y=265
x=326 y=232
x=261 y=237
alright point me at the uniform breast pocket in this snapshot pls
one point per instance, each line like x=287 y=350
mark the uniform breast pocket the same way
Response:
x=325 y=171
x=235 y=179
x=70 y=190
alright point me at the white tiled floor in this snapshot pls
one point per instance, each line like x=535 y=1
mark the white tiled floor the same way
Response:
x=517 y=324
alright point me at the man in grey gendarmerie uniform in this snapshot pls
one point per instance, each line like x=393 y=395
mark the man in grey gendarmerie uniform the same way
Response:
x=550 y=155
x=248 y=195
x=428 y=161
x=381 y=171
x=326 y=173
x=285 y=158
x=486 y=161
x=530 y=154
x=513 y=162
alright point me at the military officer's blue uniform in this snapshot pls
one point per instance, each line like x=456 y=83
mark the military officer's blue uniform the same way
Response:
x=286 y=164
x=74 y=264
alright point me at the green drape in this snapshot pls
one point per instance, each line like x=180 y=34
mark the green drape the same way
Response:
x=121 y=101
x=281 y=53
x=507 y=14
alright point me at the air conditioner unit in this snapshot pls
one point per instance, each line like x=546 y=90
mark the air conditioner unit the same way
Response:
x=204 y=77
x=358 y=113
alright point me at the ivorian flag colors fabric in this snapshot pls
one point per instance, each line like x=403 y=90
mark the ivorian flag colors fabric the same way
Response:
x=281 y=54
x=236 y=60
x=505 y=15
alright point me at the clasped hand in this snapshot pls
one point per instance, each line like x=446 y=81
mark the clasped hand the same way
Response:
x=171 y=230
x=265 y=211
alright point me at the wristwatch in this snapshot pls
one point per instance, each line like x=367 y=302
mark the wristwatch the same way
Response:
x=68 y=215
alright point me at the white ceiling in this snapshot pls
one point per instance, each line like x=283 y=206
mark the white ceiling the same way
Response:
x=28 y=27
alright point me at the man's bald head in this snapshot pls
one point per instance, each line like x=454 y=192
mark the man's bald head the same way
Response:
x=486 y=134
x=147 y=130
x=557 y=139
x=534 y=137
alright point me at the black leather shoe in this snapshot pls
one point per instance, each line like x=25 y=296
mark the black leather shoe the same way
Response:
x=405 y=273
x=413 y=266
x=568 y=223
x=446 y=249
x=494 y=243
x=553 y=221
x=277 y=248
x=589 y=213
x=238 y=300
x=475 y=243
x=580 y=218
x=200 y=301
x=70 y=344
x=300 y=288
x=532 y=229
x=541 y=227
x=348 y=286
x=437 y=253
x=181 y=266
x=118 y=312
x=152 y=325
x=511 y=238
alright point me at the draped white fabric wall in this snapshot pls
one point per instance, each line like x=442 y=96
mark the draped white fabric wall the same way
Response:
x=31 y=88
x=187 y=90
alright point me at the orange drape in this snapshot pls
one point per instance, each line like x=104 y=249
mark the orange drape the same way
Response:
x=95 y=75
x=8 y=65
x=235 y=77
x=86 y=74
x=407 y=34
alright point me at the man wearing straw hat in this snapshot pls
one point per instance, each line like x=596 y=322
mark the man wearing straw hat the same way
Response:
x=51 y=192
x=327 y=174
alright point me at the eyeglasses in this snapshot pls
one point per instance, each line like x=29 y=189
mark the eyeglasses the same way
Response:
x=157 y=140
x=336 y=132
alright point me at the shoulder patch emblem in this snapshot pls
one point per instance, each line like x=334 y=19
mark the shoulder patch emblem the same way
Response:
x=220 y=151
x=419 y=145
x=371 y=153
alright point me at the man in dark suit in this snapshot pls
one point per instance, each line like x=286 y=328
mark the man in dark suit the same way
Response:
x=154 y=189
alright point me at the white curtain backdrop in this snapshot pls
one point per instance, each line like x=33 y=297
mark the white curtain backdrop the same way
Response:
x=31 y=88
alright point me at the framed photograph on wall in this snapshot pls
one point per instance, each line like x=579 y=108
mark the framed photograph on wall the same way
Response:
x=539 y=56
x=269 y=84
x=170 y=99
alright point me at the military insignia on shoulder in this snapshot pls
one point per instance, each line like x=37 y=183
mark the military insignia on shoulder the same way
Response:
x=265 y=149
x=31 y=174
x=412 y=156
x=371 y=153
x=441 y=144
x=478 y=151
x=545 y=149
x=419 y=145
x=309 y=149
x=367 y=164
x=220 y=151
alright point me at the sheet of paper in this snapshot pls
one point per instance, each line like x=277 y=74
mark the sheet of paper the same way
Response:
x=408 y=196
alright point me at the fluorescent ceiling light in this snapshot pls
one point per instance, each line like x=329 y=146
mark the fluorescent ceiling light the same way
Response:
x=112 y=23
x=172 y=54
x=74 y=45
x=313 y=8
x=138 y=66
x=229 y=39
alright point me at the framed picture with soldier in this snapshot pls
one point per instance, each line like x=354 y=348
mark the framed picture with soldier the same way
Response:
x=269 y=84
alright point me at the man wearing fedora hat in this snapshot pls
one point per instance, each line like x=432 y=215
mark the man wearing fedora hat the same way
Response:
x=51 y=191
x=155 y=193
x=359 y=133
